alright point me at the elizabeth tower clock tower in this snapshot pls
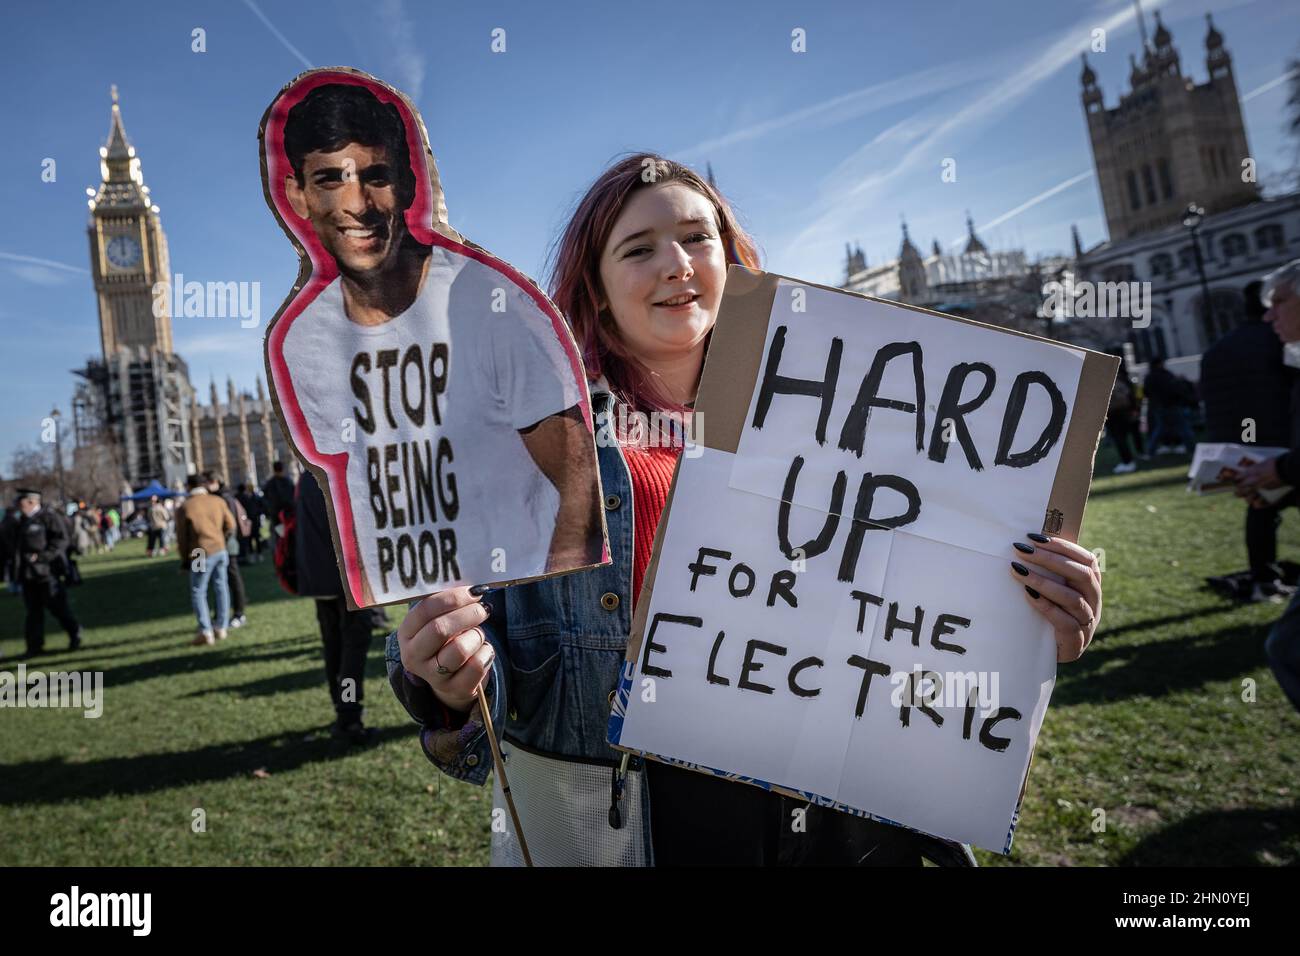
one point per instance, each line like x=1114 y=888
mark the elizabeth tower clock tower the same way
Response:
x=137 y=400
x=128 y=251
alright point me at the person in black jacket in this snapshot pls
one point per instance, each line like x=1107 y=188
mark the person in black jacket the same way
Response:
x=277 y=495
x=1246 y=388
x=37 y=549
x=1282 y=296
x=1168 y=397
x=345 y=634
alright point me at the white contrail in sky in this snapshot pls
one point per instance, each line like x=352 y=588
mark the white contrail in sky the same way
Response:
x=49 y=263
x=278 y=35
x=1268 y=86
x=1045 y=194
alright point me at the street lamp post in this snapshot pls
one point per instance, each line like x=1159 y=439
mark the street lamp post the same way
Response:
x=58 y=458
x=1192 y=220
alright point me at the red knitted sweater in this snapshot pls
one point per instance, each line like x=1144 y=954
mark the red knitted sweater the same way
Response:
x=651 y=470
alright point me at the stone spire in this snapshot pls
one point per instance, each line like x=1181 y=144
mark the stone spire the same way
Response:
x=974 y=243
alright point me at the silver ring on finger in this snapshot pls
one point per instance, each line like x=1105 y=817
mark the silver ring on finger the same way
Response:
x=441 y=670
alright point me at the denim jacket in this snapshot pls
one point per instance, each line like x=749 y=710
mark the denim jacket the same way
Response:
x=560 y=645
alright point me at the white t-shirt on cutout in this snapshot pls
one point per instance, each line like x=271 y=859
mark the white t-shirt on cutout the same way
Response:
x=504 y=370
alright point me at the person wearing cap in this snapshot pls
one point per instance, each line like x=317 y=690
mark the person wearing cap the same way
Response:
x=37 y=551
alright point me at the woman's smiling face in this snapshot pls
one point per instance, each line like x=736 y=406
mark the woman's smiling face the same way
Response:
x=662 y=270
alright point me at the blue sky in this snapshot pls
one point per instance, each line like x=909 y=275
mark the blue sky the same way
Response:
x=815 y=149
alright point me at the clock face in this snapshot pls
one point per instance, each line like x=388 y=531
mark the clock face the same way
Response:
x=122 y=251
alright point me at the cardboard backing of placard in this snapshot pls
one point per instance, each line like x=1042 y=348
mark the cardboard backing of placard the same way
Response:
x=439 y=225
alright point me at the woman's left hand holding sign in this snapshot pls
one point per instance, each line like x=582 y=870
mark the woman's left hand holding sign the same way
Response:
x=1063 y=585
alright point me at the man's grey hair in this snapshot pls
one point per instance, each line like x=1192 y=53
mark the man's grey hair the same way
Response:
x=1287 y=276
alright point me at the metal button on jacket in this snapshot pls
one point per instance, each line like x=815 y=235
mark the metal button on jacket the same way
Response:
x=612 y=502
x=609 y=600
x=471 y=760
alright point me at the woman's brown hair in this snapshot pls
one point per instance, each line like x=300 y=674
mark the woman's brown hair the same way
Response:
x=575 y=285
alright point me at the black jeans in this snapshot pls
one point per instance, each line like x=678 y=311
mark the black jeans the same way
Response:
x=42 y=595
x=700 y=820
x=235 y=580
x=1261 y=536
x=1123 y=429
x=346 y=638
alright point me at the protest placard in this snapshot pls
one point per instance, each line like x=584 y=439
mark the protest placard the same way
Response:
x=436 y=392
x=828 y=610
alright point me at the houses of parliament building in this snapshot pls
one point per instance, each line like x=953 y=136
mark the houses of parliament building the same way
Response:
x=134 y=407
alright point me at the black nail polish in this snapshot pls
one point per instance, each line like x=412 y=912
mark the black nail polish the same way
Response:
x=487 y=607
x=1040 y=538
x=1020 y=569
x=1032 y=593
x=1023 y=548
x=480 y=589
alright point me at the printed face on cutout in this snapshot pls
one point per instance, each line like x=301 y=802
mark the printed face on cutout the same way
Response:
x=663 y=269
x=351 y=199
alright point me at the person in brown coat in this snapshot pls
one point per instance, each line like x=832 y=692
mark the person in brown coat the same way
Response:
x=202 y=525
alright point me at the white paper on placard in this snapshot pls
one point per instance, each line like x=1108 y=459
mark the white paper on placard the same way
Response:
x=845 y=743
x=779 y=737
x=978 y=508
x=937 y=773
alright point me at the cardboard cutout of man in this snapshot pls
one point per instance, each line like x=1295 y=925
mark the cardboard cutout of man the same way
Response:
x=436 y=392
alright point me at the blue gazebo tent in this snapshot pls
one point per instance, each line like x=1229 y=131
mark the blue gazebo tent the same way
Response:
x=153 y=488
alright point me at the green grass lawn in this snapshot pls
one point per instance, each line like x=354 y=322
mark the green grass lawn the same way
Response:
x=1150 y=726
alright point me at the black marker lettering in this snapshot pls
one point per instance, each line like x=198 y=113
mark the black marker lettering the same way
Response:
x=1011 y=421
x=797 y=689
x=713 y=676
x=750 y=666
x=952 y=408
x=943 y=624
x=895 y=623
x=870 y=669
x=646 y=667
x=782 y=584
x=986 y=731
x=854 y=433
x=863 y=599
x=863 y=521
x=774 y=384
x=809 y=549
x=741 y=568
x=699 y=569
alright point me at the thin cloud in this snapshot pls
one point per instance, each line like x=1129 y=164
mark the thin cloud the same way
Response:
x=42 y=272
x=48 y=263
x=1278 y=81
x=408 y=64
x=1030 y=203
x=847 y=106
x=846 y=195
x=277 y=34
